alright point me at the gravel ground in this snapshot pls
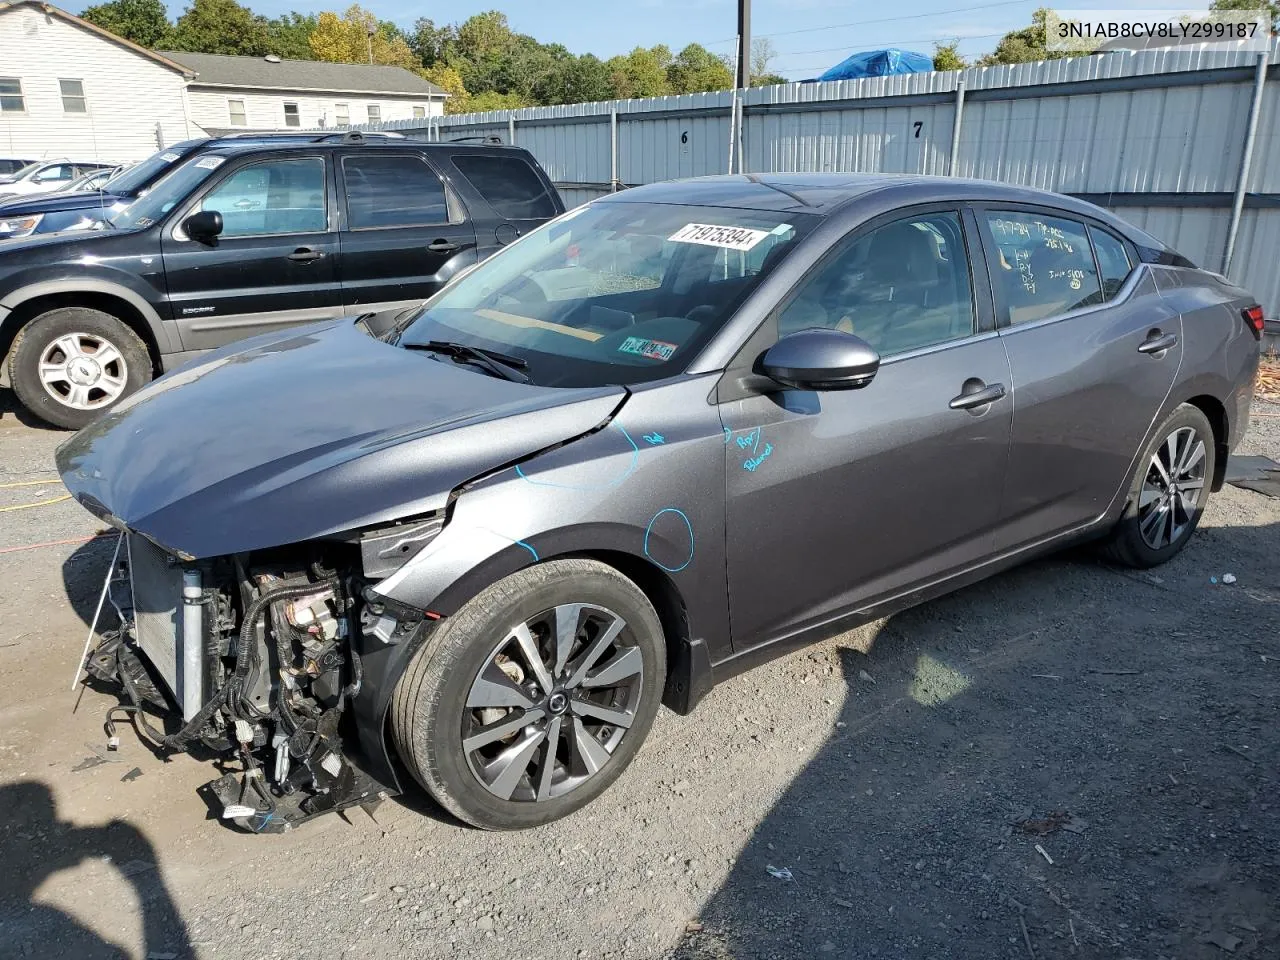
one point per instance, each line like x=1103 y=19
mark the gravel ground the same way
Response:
x=858 y=799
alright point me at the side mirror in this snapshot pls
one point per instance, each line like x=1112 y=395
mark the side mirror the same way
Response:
x=821 y=359
x=203 y=226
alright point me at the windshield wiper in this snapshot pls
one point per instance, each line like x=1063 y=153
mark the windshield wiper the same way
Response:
x=499 y=364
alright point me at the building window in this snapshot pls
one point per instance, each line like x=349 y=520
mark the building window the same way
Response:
x=291 y=116
x=342 y=116
x=236 y=109
x=419 y=113
x=73 y=100
x=11 y=95
x=375 y=113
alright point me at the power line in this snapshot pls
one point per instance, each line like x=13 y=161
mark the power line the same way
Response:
x=888 y=43
x=864 y=23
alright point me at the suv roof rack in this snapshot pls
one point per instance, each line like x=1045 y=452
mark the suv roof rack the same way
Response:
x=346 y=136
x=489 y=139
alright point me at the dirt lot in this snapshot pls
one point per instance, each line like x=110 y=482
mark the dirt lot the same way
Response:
x=858 y=799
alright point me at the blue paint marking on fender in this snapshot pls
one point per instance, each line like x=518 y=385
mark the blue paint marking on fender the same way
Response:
x=649 y=529
x=728 y=435
x=604 y=485
x=521 y=543
x=755 y=462
x=653 y=439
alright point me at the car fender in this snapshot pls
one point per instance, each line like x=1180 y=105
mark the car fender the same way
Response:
x=160 y=332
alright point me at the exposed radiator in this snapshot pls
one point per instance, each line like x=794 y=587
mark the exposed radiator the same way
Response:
x=174 y=650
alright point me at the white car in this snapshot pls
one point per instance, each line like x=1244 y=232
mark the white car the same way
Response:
x=45 y=176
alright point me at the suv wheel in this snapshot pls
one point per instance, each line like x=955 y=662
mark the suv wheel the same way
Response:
x=70 y=365
x=526 y=704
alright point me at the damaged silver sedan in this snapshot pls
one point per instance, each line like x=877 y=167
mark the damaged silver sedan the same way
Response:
x=649 y=445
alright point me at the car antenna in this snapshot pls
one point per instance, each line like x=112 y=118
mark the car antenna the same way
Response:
x=773 y=186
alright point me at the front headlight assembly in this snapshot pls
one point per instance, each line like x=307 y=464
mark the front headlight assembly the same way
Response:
x=11 y=227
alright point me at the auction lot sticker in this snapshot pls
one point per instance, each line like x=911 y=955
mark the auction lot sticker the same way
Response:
x=710 y=235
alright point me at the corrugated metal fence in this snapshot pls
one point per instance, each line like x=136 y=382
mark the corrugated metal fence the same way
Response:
x=1158 y=136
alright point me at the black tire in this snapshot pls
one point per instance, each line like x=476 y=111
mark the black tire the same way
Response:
x=429 y=708
x=1127 y=544
x=42 y=333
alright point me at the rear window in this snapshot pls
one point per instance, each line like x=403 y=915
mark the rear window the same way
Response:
x=392 y=191
x=510 y=185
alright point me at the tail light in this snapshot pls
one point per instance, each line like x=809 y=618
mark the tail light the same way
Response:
x=1254 y=320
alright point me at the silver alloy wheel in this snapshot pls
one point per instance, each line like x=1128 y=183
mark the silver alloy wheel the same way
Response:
x=83 y=371
x=552 y=703
x=1171 y=488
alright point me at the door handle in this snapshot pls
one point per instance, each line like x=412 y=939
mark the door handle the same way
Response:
x=1158 y=343
x=980 y=396
x=443 y=246
x=306 y=255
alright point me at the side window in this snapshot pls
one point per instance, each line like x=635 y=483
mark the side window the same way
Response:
x=392 y=191
x=272 y=197
x=1113 y=261
x=902 y=286
x=1044 y=265
x=60 y=173
x=509 y=184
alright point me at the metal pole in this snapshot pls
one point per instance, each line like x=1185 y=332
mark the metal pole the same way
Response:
x=953 y=161
x=613 y=151
x=743 y=57
x=511 y=130
x=742 y=122
x=733 y=107
x=1246 y=161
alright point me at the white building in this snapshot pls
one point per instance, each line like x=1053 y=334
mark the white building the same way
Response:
x=232 y=94
x=71 y=89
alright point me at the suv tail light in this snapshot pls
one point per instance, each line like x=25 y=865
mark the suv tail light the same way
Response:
x=1254 y=320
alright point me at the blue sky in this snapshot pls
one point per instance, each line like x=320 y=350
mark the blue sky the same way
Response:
x=810 y=35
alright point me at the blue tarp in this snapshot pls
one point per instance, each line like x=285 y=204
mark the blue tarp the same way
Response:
x=879 y=63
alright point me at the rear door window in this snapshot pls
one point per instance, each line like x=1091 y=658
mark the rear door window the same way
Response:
x=1043 y=265
x=1113 y=261
x=399 y=190
x=512 y=187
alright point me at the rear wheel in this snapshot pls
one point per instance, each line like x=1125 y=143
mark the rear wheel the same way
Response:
x=1168 y=492
x=72 y=364
x=526 y=704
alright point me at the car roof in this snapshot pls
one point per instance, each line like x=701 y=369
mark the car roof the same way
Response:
x=823 y=194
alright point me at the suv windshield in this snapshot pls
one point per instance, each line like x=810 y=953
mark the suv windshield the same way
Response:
x=133 y=180
x=612 y=292
x=167 y=192
x=24 y=172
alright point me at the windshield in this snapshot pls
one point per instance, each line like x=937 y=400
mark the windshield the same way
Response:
x=612 y=293
x=138 y=177
x=25 y=172
x=167 y=192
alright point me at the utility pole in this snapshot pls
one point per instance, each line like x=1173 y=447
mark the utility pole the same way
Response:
x=744 y=43
x=370 y=31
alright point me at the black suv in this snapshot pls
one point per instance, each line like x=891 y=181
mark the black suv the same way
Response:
x=246 y=237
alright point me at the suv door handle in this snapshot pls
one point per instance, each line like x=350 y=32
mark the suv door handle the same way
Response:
x=306 y=255
x=979 y=396
x=1158 y=343
x=443 y=246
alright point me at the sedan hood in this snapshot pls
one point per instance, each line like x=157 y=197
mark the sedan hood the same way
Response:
x=308 y=433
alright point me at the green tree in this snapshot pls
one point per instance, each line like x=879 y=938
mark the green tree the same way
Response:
x=221 y=26
x=641 y=73
x=946 y=56
x=290 y=35
x=696 y=69
x=577 y=80
x=492 y=100
x=1025 y=45
x=1250 y=5
x=358 y=37
x=432 y=44
x=144 y=22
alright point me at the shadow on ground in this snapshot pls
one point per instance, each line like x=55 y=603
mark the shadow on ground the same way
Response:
x=1139 y=703
x=37 y=844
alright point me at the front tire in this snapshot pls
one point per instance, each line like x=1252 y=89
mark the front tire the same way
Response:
x=526 y=704
x=1168 y=492
x=72 y=364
